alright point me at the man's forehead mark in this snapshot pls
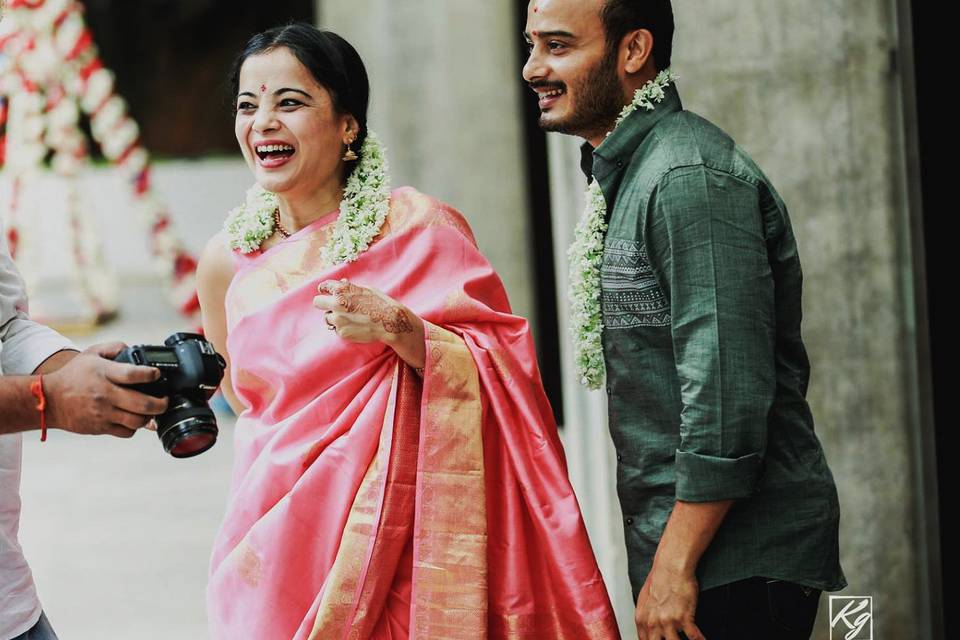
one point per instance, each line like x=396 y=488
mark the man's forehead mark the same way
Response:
x=536 y=33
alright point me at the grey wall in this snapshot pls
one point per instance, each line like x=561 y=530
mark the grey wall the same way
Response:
x=810 y=90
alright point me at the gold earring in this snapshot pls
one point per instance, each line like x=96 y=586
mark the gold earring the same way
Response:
x=350 y=155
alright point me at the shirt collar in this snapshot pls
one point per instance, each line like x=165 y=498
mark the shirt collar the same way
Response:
x=615 y=151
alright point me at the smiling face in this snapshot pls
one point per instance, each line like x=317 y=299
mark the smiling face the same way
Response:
x=289 y=131
x=571 y=68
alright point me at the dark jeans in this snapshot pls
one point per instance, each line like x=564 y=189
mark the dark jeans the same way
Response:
x=758 y=609
x=40 y=631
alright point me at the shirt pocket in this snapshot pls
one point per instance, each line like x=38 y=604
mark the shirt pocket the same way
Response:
x=631 y=296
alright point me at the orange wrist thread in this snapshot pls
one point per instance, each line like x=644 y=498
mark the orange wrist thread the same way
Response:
x=36 y=388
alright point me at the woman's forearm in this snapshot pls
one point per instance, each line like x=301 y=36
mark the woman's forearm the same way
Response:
x=410 y=345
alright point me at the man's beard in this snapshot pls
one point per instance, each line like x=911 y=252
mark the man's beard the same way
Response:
x=599 y=100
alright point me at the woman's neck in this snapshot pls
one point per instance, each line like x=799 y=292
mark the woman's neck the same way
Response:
x=297 y=212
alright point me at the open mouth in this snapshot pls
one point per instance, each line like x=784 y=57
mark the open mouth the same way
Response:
x=549 y=96
x=274 y=155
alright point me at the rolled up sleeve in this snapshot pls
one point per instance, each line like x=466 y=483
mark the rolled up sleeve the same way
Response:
x=24 y=344
x=706 y=245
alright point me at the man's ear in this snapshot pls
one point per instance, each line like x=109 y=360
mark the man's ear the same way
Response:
x=639 y=49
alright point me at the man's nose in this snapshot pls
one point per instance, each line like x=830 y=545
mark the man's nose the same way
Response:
x=533 y=69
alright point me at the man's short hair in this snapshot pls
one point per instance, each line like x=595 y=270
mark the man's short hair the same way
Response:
x=620 y=17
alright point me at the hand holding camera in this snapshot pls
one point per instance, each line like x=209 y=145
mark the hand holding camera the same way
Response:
x=86 y=395
x=114 y=389
x=190 y=372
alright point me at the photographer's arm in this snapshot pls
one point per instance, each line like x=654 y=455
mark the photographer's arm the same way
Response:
x=214 y=273
x=83 y=394
x=18 y=405
x=56 y=361
x=81 y=390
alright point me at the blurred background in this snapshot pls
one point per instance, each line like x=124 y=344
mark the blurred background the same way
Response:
x=825 y=95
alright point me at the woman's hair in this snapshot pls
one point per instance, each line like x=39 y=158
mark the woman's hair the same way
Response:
x=333 y=62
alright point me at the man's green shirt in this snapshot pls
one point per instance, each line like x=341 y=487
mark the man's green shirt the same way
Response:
x=706 y=371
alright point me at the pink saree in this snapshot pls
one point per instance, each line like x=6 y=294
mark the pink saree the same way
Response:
x=368 y=503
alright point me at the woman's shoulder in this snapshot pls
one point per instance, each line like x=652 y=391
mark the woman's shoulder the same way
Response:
x=217 y=261
x=412 y=209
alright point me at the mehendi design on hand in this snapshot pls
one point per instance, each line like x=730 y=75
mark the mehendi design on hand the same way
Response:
x=356 y=299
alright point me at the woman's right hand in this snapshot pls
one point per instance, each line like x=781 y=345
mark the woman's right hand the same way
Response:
x=363 y=314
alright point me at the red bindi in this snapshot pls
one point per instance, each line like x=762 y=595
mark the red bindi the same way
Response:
x=263 y=88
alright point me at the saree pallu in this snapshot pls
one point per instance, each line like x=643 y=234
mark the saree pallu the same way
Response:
x=367 y=502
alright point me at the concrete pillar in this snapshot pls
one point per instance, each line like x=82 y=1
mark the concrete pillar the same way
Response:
x=446 y=100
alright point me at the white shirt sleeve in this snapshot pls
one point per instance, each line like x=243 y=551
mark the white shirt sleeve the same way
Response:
x=24 y=344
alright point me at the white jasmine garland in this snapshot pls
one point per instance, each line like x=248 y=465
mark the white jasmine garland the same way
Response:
x=251 y=223
x=648 y=96
x=586 y=319
x=586 y=256
x=363 y=209
x=365 y=204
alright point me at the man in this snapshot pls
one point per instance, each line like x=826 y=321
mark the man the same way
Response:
x=81 y=393
x=730 y=511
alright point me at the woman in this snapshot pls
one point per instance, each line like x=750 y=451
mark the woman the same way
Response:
x=397 y=470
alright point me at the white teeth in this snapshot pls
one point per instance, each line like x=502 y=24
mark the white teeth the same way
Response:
x=267 y=148
x=551 y=94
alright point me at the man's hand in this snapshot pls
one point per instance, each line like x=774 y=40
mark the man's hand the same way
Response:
x=85 y=396
x=667 y=604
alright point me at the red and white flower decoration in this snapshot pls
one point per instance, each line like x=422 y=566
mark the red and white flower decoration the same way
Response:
x=50 y=72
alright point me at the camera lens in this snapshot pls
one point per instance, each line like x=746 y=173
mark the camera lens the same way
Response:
x=188 y=428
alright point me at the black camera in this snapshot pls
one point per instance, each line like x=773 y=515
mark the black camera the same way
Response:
x=190 y=372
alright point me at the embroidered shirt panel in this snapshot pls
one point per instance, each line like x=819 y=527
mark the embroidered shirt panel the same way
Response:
x=631 y=295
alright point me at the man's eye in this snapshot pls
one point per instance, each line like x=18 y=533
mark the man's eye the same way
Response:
x=554 y=45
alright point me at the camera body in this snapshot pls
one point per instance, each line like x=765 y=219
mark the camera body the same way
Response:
x=190 y=372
